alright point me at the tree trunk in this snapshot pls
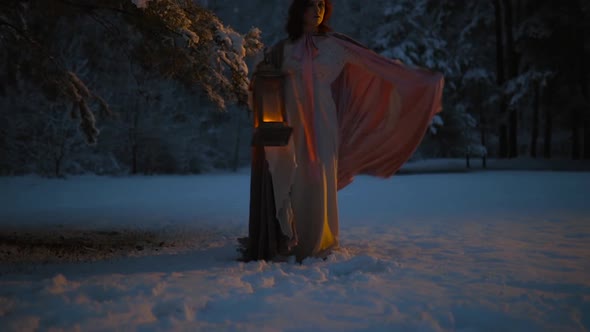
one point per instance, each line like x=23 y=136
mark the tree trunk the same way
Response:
x=503 y=141
x=134 y=159
x=548 y=132
x=575 y=134
x=134 y=147
x=482 y=131
x=584 y=87
x=512 y=68
x=512 y=60
x=501 y=77
x=586 y=154
x=513 y=134
x=535 y=125
x=577 y=45
x=586 y=111
x=58 y=160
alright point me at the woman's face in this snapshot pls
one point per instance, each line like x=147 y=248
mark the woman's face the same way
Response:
x=314 y=13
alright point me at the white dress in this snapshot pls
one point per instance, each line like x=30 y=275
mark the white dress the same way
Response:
x=307 y=208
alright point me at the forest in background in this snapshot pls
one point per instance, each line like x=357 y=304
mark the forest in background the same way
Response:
x=160 y=90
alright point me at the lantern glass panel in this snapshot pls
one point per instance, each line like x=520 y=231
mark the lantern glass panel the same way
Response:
x=272 y=108
x=269 y=100
x=270 y=124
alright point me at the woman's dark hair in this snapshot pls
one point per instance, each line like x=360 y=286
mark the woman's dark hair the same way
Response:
x=294 y=25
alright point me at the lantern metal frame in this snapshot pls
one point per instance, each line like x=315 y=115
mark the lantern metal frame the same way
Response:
x=276 y=131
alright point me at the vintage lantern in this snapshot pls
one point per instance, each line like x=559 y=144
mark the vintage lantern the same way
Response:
x=270 y=120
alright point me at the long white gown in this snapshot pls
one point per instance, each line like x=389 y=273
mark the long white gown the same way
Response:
x=307 y=207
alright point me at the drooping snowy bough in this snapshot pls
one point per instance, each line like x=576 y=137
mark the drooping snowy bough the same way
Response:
x=174 y=39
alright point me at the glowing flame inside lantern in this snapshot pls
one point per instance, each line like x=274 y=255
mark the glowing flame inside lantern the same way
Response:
x=269 y=108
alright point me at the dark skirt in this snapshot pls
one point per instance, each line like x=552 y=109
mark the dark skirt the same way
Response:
x=265 y=240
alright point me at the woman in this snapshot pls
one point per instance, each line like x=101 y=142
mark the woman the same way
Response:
x=352 y=112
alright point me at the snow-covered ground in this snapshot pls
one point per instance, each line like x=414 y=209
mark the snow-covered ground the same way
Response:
x=475 y=251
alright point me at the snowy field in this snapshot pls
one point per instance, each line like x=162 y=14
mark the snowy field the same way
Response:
x=476 y=251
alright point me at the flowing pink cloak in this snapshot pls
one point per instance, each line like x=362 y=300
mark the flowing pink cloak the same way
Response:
x=377 y=136
x=353 y=112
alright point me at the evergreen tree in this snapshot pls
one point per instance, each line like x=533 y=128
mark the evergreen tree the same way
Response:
x=178 y=39
x=132 y=59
